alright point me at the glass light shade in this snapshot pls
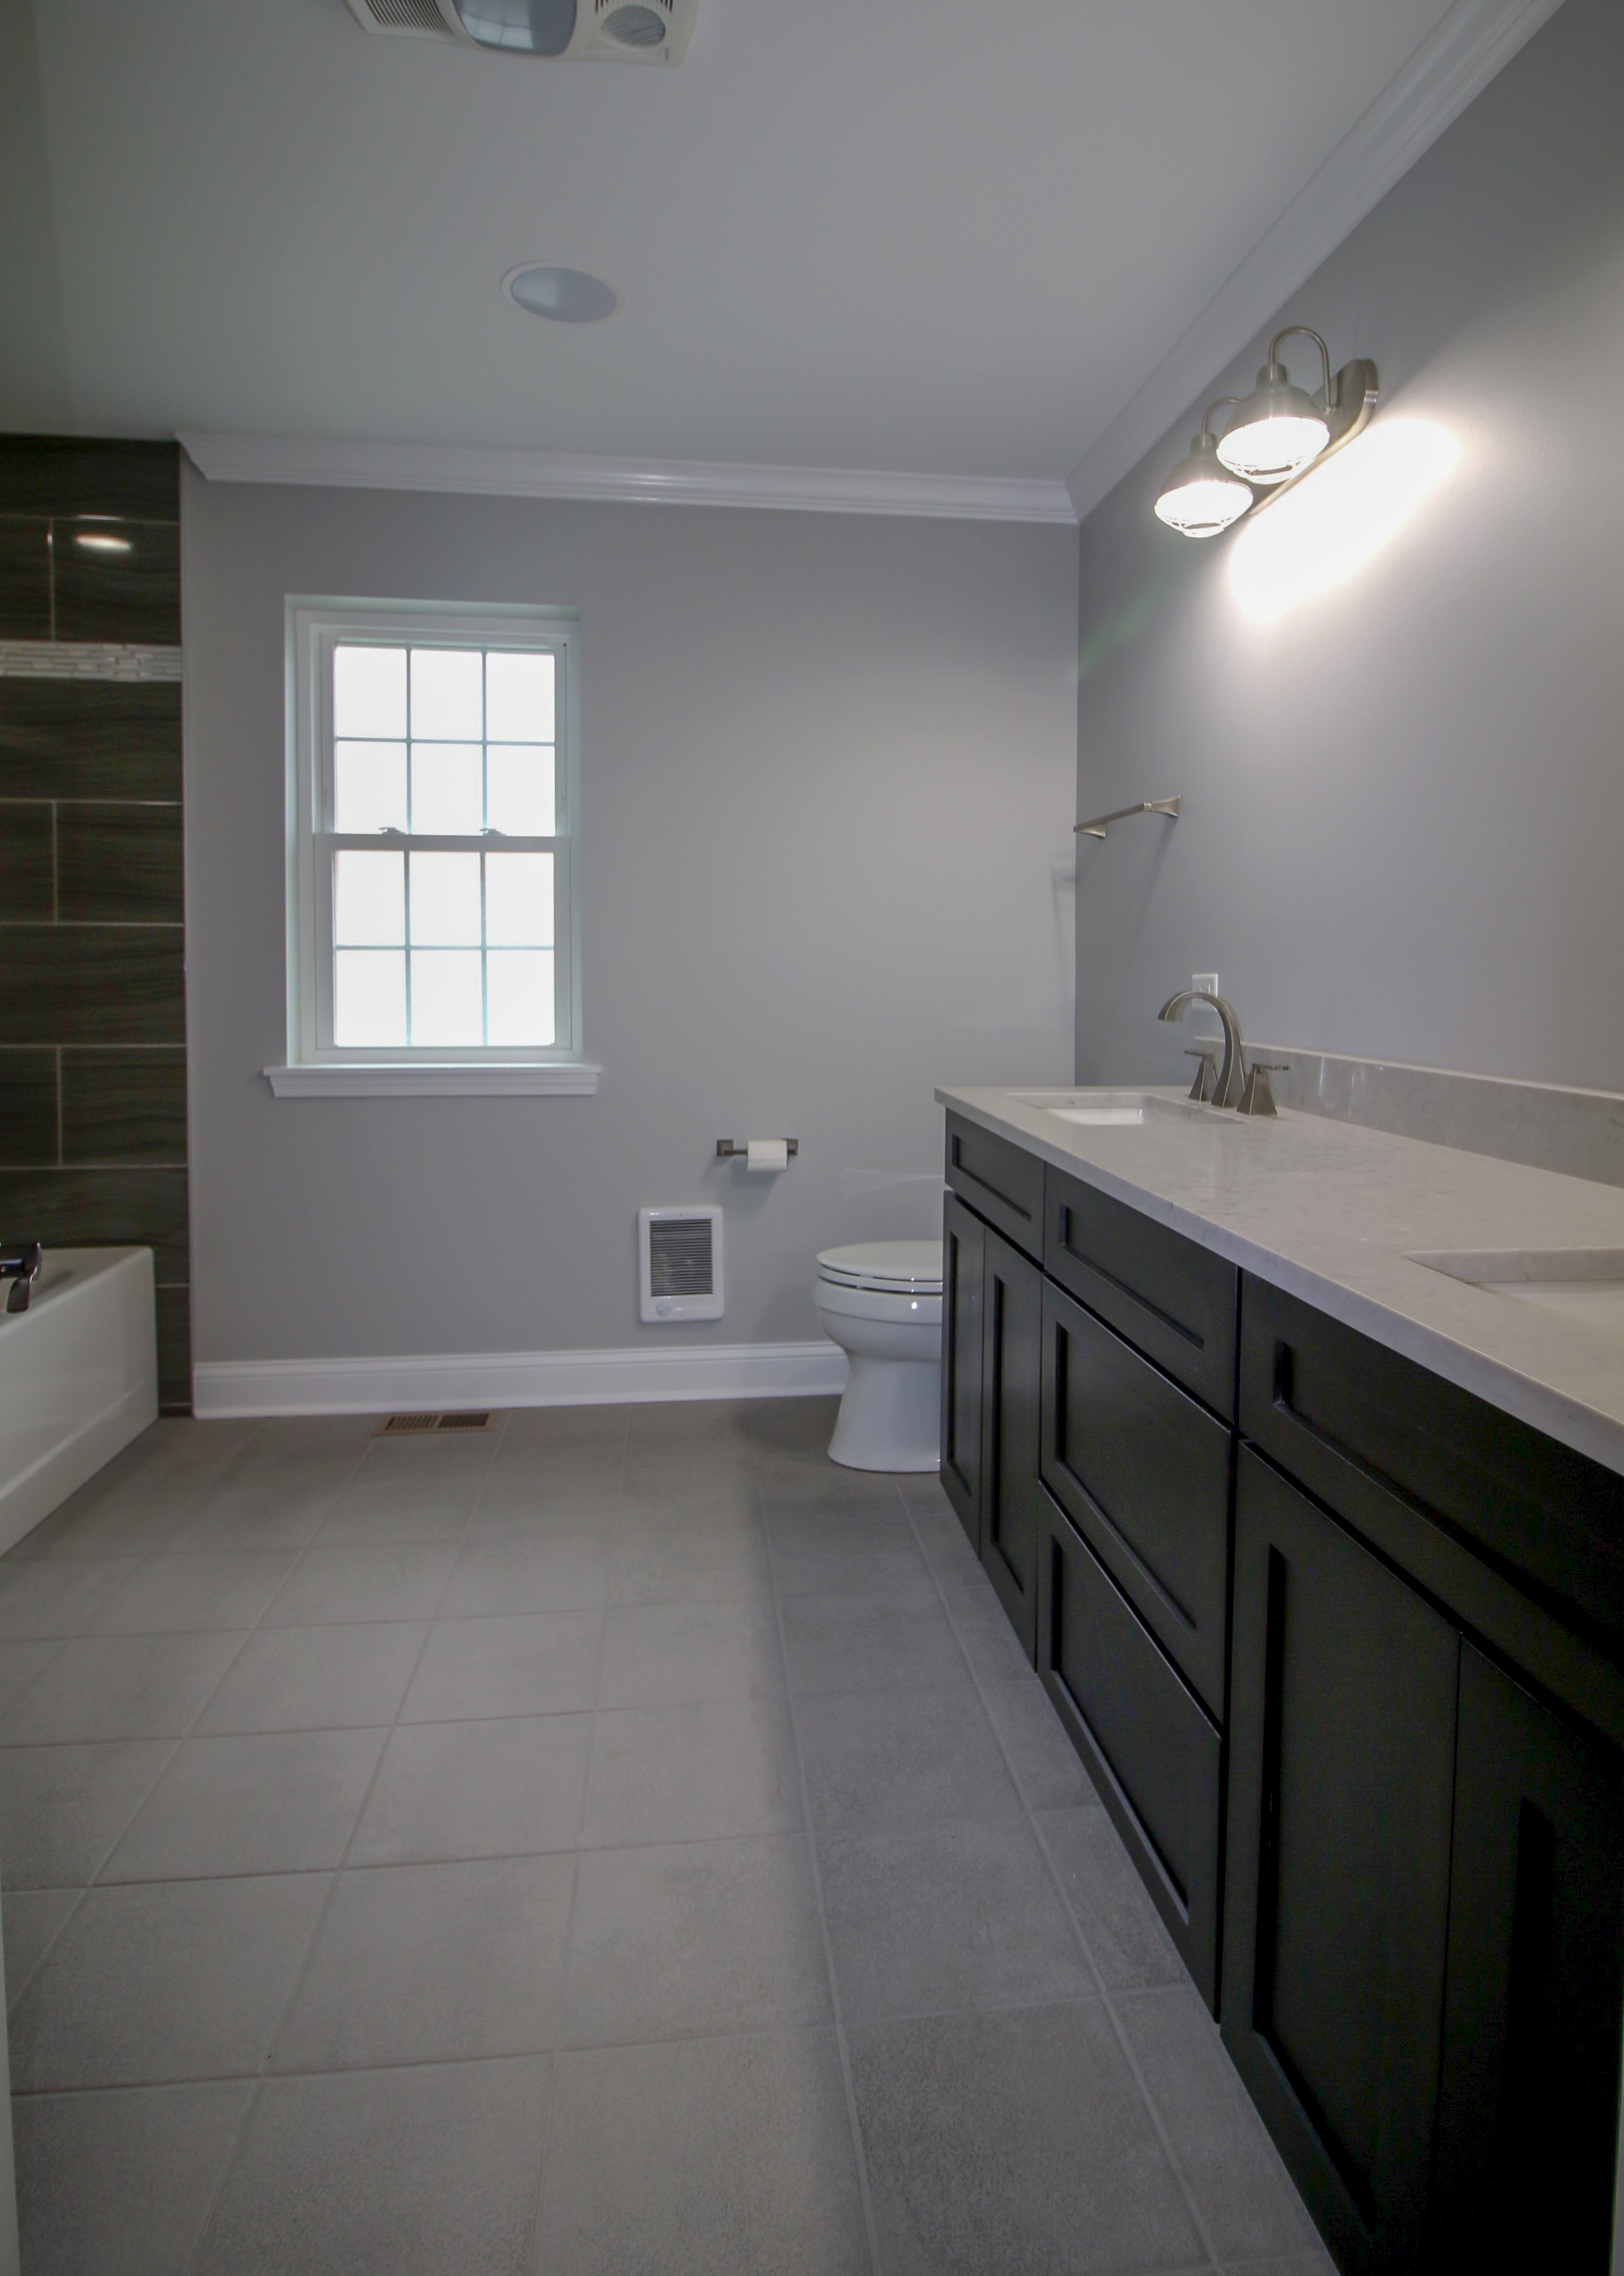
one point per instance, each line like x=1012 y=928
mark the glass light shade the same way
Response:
x=529 y=28
x=1199 y=499
x=1275 y=432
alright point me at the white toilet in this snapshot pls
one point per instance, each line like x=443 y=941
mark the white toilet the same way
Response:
x=881 y=1302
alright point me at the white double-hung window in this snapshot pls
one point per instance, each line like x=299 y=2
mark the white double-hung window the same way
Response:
x=432 y=844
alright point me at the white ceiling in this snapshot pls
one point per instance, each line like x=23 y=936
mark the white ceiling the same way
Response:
x=908 y=234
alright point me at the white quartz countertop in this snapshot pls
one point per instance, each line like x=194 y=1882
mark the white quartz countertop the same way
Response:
x=1335 y=1215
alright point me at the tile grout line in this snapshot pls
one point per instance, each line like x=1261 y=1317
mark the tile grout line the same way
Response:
x=539 y=2196
x=740 y=2033
x=94 y=1879
x=1135 y=2071
x=335 y=1873
x=837 y=2008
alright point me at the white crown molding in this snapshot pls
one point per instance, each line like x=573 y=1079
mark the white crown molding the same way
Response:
x=1456 y=60
x=425 y=1382
x=627 y=482
x=473 y=1079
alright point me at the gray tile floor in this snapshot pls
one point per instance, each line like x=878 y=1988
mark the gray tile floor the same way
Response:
x=621 y=1844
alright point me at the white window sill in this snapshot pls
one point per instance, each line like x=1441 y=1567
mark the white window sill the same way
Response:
x=535 y=1079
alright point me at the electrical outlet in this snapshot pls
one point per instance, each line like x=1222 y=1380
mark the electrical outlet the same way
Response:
x=1202 y=1021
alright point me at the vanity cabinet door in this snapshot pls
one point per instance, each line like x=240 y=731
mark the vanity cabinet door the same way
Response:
x=1342 y=1758
x=1146 y=1741
x=964 y=1257
x=1142 y=1471
x=1528 y=2120
x=1011 y=1337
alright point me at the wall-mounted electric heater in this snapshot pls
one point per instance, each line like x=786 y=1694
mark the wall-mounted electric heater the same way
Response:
x=680 y=1262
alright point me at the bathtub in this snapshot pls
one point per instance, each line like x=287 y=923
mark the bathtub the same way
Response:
x=79 y=1377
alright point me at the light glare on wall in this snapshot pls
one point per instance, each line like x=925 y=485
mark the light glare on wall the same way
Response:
x=1323 y=531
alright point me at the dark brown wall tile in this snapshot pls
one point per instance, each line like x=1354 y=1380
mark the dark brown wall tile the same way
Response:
x=119 y=865
x=27 y=1108
x=118 y=596
x=25 y=864
x=60 y=474
x=89 y=739
x=98 y=1209
x=25 y=579
x=175 y=1350
x=92 y=984
x=123 y=1106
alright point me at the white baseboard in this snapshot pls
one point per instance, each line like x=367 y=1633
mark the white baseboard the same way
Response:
x=222 y=1388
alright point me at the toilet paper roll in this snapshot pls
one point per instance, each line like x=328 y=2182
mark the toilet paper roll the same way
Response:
x=767 y=1154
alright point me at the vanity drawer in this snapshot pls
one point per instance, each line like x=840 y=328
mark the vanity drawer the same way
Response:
x=1173 y=1299
x=1154 y=1755
x=1522 y=1538
x=1143 y=1473
x=998 y=1181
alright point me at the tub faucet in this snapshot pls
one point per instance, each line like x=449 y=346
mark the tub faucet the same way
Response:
x=19 y=1263
x=1232 y=1074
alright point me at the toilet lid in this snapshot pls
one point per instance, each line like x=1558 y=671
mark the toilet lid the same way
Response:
x=915 y=1266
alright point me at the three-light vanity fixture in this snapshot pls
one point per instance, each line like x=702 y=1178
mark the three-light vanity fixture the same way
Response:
x=1276 y=435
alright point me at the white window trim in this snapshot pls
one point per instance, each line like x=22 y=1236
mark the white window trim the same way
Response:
x=314 y=625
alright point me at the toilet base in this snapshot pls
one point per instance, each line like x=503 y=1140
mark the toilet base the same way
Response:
x=890 y=1416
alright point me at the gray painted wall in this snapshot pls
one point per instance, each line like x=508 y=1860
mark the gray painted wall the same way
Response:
x=1404 y=799
x=828 y=766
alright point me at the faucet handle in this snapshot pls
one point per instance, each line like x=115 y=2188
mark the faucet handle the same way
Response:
x=1257 y=1098
x=1206 y=1076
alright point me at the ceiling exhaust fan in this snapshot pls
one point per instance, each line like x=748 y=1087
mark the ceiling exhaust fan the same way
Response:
x=619 y=30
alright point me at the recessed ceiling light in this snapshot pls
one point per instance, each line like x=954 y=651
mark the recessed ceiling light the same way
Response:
x=101 y=541
x=568 y=296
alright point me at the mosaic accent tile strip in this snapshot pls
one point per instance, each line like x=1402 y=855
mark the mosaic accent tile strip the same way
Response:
x=125 y=660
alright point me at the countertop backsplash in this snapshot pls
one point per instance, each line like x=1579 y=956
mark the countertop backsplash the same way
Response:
x=1578 y=1133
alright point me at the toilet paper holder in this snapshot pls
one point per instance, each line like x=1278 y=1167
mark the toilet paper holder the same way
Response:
x=728 y=1148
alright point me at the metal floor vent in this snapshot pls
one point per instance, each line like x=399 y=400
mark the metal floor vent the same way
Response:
x=401 y=1426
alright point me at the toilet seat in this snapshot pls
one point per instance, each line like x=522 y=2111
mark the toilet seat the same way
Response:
x=842 y=1302
x=901 y=1268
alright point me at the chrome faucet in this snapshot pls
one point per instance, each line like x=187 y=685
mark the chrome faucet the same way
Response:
x=19 y=1263
x=1245 y=1088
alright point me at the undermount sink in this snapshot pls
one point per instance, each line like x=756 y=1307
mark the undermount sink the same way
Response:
x=1106 y=1109
x=1584 y=1285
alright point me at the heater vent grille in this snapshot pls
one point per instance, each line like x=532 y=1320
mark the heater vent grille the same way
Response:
x=680 y=1260
x=680 y=1257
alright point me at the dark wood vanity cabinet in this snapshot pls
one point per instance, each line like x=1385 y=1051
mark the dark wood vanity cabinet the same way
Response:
x=1153 y=1752
x=1342 y=1648
x=991 y=1331
x=1010 y=1505
x=1095 y=1489
x=1528 y=2092
x=1424 y=1861
x=1340 y=1792
x=963 y=1262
